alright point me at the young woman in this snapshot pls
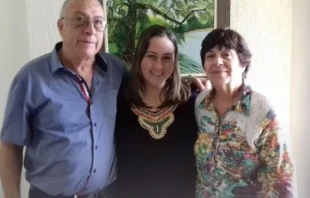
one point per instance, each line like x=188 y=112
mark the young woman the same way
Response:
x=155 y=125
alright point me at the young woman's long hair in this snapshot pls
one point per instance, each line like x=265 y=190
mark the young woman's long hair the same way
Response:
x=175 y=90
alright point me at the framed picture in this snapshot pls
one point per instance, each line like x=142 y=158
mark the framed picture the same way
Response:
x=191 y=21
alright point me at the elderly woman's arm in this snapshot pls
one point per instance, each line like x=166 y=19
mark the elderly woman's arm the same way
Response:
x=277 y=172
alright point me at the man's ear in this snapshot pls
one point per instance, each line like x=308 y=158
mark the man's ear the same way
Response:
x=60 y=24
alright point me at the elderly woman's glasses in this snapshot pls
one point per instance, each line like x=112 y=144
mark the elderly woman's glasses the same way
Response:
x=82 y=21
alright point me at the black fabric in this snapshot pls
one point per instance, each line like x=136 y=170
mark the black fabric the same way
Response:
x=149 y=168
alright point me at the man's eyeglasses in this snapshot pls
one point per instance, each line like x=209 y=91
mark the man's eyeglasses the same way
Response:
x=82 y=21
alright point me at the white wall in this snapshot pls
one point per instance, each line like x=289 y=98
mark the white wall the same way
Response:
x=42 y=18
x=14 y=48
x=267 y=26
x=300 y=94
x=27 y=30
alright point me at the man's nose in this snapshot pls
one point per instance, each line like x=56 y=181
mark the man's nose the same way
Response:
x=90 y=27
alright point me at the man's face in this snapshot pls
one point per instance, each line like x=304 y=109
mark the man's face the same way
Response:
x=82 y=27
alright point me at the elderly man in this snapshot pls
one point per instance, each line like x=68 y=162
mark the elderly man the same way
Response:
x=62 y=108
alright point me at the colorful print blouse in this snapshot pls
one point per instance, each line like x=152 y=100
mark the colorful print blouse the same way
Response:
x=242 y=153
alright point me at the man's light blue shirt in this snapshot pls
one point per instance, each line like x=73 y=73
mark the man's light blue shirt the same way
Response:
x=47 y=112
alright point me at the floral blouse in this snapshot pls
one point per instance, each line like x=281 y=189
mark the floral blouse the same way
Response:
x=242 y=153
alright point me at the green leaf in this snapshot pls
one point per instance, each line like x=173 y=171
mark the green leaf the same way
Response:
x=202 y=17
x=122 y=11
x=189 y=66
x=163 y=4
x=178 y=13
x=179 y=4
x=190 y=8
x=171 y=15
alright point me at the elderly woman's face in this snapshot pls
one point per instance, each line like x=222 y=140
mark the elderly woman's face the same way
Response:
x=222 y=65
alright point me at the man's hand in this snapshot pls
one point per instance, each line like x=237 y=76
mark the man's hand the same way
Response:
x=198 y=83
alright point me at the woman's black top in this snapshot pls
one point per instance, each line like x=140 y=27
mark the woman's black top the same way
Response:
x=156 y=168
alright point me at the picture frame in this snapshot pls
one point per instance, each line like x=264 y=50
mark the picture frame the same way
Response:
x=191 y=20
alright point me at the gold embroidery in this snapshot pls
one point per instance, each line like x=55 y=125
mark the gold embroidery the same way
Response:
x=156 y=123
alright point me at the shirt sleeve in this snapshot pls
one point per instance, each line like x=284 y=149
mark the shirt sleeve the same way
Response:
x=277 y=172
x=16 y=124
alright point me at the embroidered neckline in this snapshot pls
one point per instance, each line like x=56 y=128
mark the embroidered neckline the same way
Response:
x=155 y=122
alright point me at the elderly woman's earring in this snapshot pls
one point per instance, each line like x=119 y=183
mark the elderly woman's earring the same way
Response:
x=243 y=77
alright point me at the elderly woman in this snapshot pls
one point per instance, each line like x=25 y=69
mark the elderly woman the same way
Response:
x=240 y=151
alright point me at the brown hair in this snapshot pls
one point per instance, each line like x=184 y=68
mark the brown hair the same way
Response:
x=230 y=39
x=176 y=90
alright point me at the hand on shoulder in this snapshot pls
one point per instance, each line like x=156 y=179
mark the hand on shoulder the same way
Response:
x=198 y=84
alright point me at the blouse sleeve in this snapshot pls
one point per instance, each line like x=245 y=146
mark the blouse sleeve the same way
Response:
x=276 y=174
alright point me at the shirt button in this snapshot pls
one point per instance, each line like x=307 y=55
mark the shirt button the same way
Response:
x=95 y=124
x=96 y=147
x=92 y=102
x=95 y=171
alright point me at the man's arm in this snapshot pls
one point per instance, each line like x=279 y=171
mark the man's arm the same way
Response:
x=15 y=134
x=11 y=160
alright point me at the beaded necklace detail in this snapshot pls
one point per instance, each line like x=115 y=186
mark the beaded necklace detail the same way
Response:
x=155 y=122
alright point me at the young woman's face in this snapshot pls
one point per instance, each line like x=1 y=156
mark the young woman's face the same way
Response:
x=158 y=62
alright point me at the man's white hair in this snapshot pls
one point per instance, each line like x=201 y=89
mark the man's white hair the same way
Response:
x=64 y=7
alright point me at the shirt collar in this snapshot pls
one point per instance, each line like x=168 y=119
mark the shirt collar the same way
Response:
x=243 y=106
x=56 y=63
